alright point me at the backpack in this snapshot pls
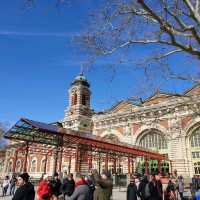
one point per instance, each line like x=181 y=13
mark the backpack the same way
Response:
x=147 y=193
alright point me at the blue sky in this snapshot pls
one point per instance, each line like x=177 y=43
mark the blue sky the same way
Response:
x=38 y=61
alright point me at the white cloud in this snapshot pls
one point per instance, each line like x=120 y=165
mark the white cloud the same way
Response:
x=36 y=34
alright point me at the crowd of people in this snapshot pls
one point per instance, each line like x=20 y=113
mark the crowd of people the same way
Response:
x=93 y=187
x=151 y=188
x=90 y=187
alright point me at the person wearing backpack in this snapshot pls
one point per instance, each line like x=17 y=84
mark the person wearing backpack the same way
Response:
x=143 y=189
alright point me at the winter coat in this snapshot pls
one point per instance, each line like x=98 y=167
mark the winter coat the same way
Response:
x=99 y=194
x=80 y=193
x=159 y=189
x=153 y=191
x=91 y=185
x=141 y=188
x=68 y=187
x=25 y=192
x=181 y=186
x=44 y=190
x=132 y=192
x=56 y=187
x=103 y=189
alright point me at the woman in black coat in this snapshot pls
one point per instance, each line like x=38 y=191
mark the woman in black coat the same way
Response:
x=132 y=190
x=26 y=189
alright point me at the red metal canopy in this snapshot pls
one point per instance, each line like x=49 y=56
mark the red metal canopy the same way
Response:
x=42 y=133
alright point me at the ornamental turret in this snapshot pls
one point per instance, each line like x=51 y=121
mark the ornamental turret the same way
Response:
x=78 y=115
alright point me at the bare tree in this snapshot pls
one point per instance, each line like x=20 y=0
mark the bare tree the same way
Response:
x=169 y=26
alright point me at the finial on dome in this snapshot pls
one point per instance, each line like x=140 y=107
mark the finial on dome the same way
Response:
x=82 y=69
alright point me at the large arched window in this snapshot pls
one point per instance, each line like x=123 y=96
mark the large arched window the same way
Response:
x=33 y=166
x=153 y=140
x=195 y=150
x=195 y=138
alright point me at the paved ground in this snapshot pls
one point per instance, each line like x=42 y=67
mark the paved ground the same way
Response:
x=118 y=194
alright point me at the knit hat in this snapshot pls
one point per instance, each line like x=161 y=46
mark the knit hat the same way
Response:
x=24 y=176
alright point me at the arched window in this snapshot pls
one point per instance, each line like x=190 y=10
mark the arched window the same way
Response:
x=9 y=166
x=1 y=166
x=195 y=138
x=84 y=99
x=18 y=166
x=74 y=99
x=197 y=167
x=33 y=166
x=43 y=165
x=153 y=140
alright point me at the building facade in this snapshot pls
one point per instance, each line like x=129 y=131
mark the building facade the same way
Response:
x=167 y=123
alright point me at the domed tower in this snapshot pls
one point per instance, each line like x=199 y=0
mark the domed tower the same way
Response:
x=78 y=115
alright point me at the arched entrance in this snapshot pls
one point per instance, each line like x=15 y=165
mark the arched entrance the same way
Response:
x=153 y=139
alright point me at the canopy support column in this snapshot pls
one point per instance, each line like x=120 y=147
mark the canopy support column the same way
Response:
x=55 y=160
x=77 y=160
x=146 y=166
x=15 y=161
x=90 y=161
x=26 y=157
x=159 y=166
x=60 y=162
x=106 y=162
x=129 y=166
x=69 y=165
x=114 y=166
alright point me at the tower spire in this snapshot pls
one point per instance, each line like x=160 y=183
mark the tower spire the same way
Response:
x=82 y=69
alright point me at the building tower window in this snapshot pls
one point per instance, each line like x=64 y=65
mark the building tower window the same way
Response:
x=84 y=100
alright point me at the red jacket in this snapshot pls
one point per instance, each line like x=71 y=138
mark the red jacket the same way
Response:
x=44 y=189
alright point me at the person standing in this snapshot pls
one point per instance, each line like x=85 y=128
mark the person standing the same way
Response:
x=55 y=185
x=68 y=185
x=13 y=184
x=5 y=185
x=90 y=181
x=170 y=191
x=26 y=189
x=154 y=195
x=81 y=189
x=181 y=187
x=143 y=189
x=159 y=187
x=44 y=189
x=132 y=190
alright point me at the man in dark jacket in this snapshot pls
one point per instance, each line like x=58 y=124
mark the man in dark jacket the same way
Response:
x=132 y=190
x=55 y=185
x=68 y=185
x=142 y=188
x=154 y=189
x=26 y=189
